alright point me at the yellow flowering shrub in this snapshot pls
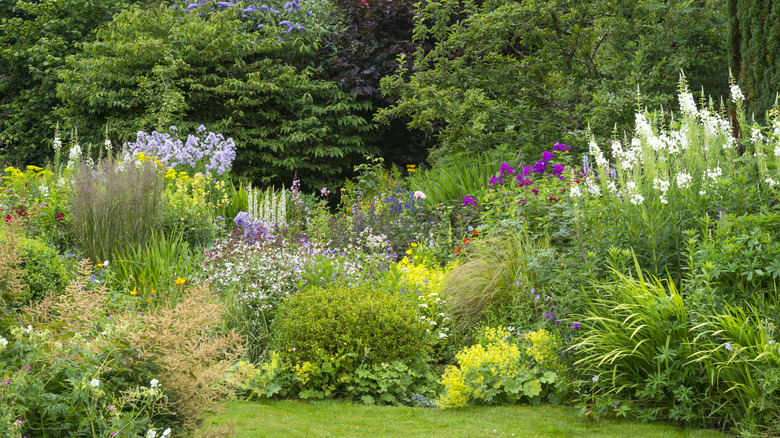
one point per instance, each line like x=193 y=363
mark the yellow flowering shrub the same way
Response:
x=190 y=203
x=544 y=348
x=497 y=370
x=264 y=380
x=481 y=369
x=424 y=282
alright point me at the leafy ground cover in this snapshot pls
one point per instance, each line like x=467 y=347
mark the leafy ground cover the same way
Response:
x=340 y=418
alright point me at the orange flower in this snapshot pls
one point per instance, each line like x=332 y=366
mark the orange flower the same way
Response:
x=466 y=241
x=457 y=249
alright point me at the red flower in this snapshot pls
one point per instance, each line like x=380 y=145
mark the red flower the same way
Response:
x=475 y=233
x=8 y=218
x=60 y=215
x=466 y=241
x=456 y=250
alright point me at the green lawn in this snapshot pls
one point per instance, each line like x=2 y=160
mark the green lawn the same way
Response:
x=340 y=419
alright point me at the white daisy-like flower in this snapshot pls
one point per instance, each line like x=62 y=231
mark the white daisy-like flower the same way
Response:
x=95 y=383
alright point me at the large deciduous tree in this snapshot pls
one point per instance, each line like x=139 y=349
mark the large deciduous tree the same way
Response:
x=524 y=74
x=248 y=73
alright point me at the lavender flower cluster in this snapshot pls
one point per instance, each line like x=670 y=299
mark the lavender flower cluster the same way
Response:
x=247 y=11
x=207 y=151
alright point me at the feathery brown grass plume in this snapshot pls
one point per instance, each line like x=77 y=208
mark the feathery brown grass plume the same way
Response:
x=193 y=355
x=11 y=287
x=182 y=340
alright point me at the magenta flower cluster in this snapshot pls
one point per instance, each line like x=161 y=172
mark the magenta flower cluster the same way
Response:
x=208 y=150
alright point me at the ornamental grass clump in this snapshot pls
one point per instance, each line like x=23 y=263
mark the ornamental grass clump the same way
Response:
x=497 y=284
x=637 y=347
x=115 y=206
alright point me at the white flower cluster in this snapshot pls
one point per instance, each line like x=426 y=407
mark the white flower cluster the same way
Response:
x=592 y=188
x=736 y=94
x=771 y=182
x=684 y=180
x=687 y=104
x=715 y=173
x=575 y=192
x=663 y=186
x=74 y=155
x=755 y=135
x=597 y=154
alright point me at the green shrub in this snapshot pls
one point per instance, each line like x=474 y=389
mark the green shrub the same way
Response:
x=375 y=325
x=44 y=269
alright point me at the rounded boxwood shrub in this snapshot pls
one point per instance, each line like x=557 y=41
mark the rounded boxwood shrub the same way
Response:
x=380 y=327
x=44 y=269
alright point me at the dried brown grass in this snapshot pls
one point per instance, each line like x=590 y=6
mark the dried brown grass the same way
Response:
x=11 y=286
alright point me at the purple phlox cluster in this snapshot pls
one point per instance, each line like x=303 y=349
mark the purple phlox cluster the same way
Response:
x=560 y=147
x=254 y=230
x=470 y=201
x=494 y=180
x=506 y=170
x=212 y=150
x=558 y=170
x=547 y=155
x=522 y=181
x=575 y=325
x=539 y=167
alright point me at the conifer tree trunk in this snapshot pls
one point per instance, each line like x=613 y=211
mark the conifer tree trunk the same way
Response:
x=754 y=46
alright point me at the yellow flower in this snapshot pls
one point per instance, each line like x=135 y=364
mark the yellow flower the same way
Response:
x=181 y=281
x=409 y=251
x=134 y=292
x=99 y=265
x=414 y=244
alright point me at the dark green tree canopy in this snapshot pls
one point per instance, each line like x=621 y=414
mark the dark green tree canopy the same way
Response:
x=150 y=69
x=754 y=47
x=520 y=75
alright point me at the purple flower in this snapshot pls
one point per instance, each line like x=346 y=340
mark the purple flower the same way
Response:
x=495 y=180
x=506 y=169
x=470 y=201
x=558 y=169
x=285 y=23
x=728 y=346
x=243 y=219
x=547 y=156
x=575 y=325
x=265 y=8
x=539 y=167
x=560 y=147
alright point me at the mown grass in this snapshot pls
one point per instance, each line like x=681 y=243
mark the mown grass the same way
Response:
x=342 y=419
